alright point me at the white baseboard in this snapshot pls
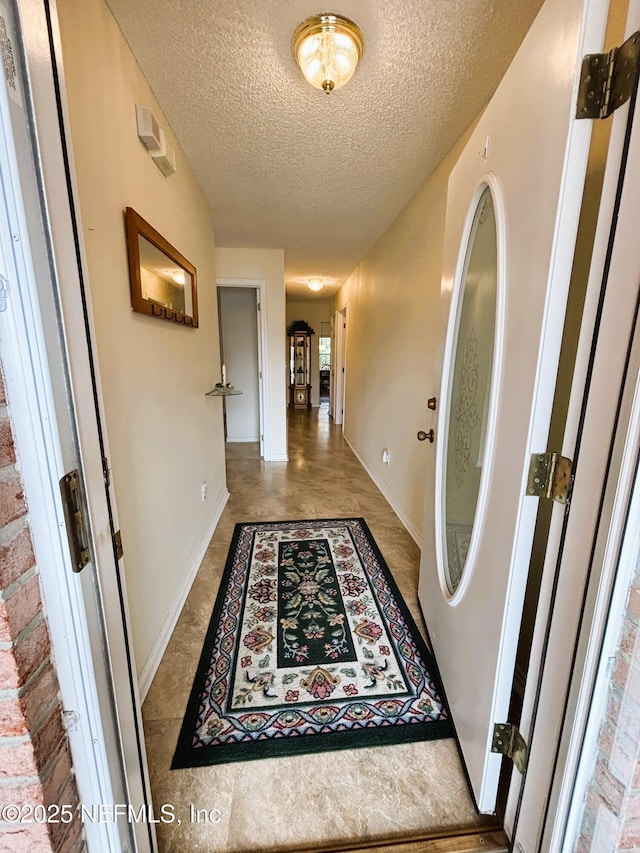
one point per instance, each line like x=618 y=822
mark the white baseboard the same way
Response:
x=159 y=647
x=413 y=531
x=277 y=457
x=242 y=439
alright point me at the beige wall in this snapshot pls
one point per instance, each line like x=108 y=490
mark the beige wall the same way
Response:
x=266 y=265
x=393 y=328
x=315 y=312
x=165 y=437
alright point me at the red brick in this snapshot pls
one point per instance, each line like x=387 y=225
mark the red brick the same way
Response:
x=31 y=838
x=630 y=637
x=620 y=673
x=59 y=831
x=623 y=760
x=633 y=807
x=38 y=694
x=7 y=448
x=632 y=688
x=613 y=707
x=17 y=759
x=583 y=844
x=71 y=842
x=629 y=720
x=12 y=505
x=16 y=558
x=48 y=739
x=12 y=718
x=605 y=740
x=633 y=602
x=32 y=650
x=9 y=671
x=24 y=712
x=18 y=610
x=22 y=794
x=630 y=836
x=57 y=777
x=611 y=789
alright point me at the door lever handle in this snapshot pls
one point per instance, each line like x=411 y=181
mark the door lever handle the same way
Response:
x=422 y=435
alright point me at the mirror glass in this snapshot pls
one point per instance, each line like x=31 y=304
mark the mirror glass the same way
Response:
x=163 y=282
x=469 y=388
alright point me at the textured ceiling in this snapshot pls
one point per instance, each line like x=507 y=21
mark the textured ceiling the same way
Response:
x=283 y=164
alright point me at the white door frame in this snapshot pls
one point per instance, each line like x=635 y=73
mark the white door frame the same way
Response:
x=600 y=423
x=73 y=602
x=339 y=398
x=260 y=286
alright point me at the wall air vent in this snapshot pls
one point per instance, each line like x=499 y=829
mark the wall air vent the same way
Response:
x=148 y=129
x=165 y=157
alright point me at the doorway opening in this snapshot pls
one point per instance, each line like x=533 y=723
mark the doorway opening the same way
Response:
x=242 y=358
x=324 y=367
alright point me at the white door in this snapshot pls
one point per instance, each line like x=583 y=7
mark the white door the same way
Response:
x=512 y=211
x=87 y=612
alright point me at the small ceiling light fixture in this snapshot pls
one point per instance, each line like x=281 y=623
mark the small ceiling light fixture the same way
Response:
x=327 y=48
x=315 y=284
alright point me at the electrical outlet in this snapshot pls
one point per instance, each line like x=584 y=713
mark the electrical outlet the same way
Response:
x=204 y=490
x=385 y=456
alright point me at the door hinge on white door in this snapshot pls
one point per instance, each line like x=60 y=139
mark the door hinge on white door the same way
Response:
x=105 y=472
x=117 y=545
x=508 y=741
x=607 y=79
x=550 y=476
x=74 y=520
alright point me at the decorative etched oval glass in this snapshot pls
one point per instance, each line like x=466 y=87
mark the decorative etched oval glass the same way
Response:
x=469 y=390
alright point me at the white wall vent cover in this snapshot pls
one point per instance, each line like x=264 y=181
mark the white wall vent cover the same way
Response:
x=148 y=129
x=165 y=157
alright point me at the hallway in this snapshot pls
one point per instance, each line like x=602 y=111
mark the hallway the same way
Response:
x=328 y=800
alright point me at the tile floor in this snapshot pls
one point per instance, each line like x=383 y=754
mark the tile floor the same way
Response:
x=298 y=803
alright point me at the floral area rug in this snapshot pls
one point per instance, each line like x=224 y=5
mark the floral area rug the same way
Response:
x=310 y=647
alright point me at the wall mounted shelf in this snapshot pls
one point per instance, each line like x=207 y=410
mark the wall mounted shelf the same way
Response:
x=219 y=392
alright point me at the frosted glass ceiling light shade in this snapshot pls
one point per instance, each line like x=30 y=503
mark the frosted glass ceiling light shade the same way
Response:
x=327 y=48
x=315 y=284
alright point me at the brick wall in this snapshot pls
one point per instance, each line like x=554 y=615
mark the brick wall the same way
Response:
x=611 y=820
x=35 y=765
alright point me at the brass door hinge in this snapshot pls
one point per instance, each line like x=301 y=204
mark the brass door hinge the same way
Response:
x=607 y=79
x=550 y=477
x=117 y=545
x=105 y=471
x=74 y=520
x=508 y=741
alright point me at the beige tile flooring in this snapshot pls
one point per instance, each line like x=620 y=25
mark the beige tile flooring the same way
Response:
x=296 y=803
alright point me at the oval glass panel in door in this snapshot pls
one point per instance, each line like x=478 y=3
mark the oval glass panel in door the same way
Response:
x=469 y=388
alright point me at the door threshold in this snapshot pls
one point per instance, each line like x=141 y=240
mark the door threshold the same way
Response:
x=492 y=839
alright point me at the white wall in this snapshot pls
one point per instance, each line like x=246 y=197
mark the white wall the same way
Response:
x=266 y=265
x=239 y=328
x=315 y=312
x=393 y=327
x=165 y=437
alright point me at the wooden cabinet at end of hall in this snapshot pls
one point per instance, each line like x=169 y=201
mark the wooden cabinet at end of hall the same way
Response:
x=299 y=333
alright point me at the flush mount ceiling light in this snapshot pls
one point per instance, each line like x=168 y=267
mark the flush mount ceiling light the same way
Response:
x=315 y=284
x=327 y=48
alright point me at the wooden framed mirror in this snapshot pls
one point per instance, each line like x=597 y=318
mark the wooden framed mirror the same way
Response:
x=163 y=282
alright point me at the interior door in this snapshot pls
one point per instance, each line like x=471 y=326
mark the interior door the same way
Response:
x=512 y=210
